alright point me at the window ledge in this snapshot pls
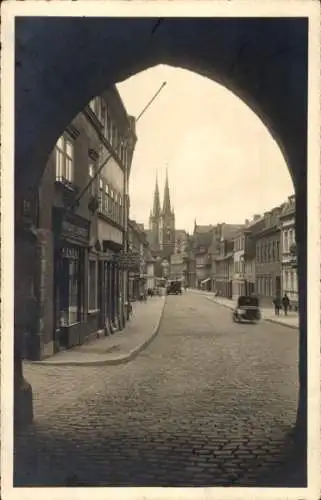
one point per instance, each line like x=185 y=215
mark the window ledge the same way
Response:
x=66 y=184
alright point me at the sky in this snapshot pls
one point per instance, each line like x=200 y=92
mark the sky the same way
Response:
x=223 y=164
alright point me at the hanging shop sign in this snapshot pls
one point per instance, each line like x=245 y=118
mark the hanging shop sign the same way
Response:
x=128 y=259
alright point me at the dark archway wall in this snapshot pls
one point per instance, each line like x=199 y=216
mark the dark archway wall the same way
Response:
x=62 y=63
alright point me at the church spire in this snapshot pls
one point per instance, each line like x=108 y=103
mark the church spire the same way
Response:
x=156 y=206
x=167 y=201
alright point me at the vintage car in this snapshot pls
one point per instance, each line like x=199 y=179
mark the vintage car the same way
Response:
x=174 y=287
x=247 y=309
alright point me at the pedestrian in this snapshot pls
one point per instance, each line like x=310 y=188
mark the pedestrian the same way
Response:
x=286 y=304
x=277 y=306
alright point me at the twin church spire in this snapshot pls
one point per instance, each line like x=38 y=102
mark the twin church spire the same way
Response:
x=157 y=211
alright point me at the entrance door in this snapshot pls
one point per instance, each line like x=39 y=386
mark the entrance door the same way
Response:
x=278 y=285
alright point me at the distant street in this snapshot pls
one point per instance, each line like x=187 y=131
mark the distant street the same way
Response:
x=209 y=402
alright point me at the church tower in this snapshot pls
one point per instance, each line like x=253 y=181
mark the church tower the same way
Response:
x=167 y=226
x=154 y=218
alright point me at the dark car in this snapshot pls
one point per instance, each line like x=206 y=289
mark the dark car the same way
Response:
x=247 y=309
x=174 y=287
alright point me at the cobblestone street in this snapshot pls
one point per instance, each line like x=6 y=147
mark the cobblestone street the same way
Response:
x=209 y=402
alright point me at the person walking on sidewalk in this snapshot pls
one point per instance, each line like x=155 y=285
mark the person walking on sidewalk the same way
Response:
x=277 y=305
x=286 y=304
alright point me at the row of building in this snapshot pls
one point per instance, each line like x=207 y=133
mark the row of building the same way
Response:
x=80 y=259
x=258 y=256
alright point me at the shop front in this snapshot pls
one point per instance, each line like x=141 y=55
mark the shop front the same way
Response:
x=71 y=242
x=111 y=305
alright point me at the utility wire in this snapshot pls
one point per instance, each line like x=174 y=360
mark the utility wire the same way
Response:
x=78 y=198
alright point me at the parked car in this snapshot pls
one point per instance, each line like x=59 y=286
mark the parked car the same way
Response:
x=174 y=287
x=247 y=309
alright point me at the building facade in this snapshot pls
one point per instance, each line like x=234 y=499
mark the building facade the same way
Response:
x=179 y=259
x=239 y=265
x=268 y=257
x=202 y=241
x=81 y=228
x=288 y=252
x=224 y=269
x=141 y=272
x=251 y=229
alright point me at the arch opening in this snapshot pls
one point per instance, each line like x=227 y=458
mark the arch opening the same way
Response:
x=263 y=62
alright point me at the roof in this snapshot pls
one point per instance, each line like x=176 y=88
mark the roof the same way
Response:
x=203 y=229
x=288 y=207
x=181 y=234
x=229 y=231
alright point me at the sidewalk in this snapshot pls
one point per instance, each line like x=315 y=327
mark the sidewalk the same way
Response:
x=290 y=321
x=122 y=346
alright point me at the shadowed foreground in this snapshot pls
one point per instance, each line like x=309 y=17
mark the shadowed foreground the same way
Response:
x=208 y=403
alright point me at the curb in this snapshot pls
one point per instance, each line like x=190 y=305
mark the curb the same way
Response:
x=281 y=324
x=109 y=362
x=293 y=327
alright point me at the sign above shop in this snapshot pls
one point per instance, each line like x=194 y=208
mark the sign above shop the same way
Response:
x=71 y=226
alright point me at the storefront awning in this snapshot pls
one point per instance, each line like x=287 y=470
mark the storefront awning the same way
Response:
x=111 y=245
x=205 y=281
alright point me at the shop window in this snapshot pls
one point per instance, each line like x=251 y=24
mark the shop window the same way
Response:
x=64 y=160
x=69 y=286
x=92 y=285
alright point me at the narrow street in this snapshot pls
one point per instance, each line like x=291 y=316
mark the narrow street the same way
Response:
x=209 y=402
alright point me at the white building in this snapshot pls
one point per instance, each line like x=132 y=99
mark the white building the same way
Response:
x=238 y=287
x=288 y=252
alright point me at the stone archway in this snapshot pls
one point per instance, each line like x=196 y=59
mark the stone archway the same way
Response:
x=263 y=61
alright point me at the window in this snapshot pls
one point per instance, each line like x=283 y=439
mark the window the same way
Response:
x=91 y=176
x=64 y=159
x=92 y=105
x=291 y=281
x=286 y=242
x=106 y=199
x=113 y=137
x=120 y=212
x=102 y=112
x=101 y=195
x=92 y=285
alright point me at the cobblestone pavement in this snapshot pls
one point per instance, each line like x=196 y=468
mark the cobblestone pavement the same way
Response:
x=208 y=403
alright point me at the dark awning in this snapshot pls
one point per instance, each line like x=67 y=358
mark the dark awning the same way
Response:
x=112 y=245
